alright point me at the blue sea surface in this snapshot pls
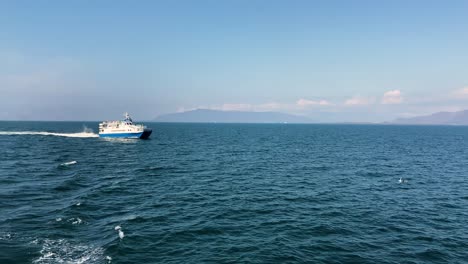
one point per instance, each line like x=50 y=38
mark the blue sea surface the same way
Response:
x=234 y=193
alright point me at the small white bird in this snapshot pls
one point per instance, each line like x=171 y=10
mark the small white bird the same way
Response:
x=121 y=233
x=400 y=180
x=109 y=259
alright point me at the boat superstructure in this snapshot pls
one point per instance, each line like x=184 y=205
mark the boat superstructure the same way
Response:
x=124 y=129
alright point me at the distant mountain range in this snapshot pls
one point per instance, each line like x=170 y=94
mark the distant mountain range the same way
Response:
x=217 y=116
x=440 y=118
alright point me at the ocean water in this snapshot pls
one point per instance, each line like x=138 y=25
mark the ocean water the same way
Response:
x=234 y=193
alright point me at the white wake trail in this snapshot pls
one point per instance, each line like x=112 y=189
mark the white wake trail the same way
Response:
x=43 y=133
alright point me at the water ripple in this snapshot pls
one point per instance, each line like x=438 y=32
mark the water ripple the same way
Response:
x=212 y=193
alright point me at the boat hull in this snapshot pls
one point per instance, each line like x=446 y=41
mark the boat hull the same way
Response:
x=141 y=135
x=146 y=133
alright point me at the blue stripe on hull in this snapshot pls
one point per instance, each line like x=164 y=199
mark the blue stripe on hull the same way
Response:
x=122 y=135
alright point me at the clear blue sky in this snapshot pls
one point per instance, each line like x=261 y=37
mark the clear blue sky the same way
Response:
x=330 y=60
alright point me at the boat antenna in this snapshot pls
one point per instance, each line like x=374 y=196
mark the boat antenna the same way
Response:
x=127 y=117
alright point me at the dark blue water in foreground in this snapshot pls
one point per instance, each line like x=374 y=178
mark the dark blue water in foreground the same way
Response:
x=214 y=193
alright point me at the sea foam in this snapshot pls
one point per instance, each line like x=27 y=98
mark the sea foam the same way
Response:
x=62 y=251
x=68 y=163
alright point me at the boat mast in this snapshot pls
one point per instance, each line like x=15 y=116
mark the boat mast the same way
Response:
x=127 y=117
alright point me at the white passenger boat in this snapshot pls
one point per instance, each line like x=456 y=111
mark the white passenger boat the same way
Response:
x=124 y=129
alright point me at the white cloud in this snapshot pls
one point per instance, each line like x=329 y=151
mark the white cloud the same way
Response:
x=235 y=107
x=460 y=93
x=272 y=106
x=299 y=105
x=359 y=100
x=185 y=109
x=304 y=102
x=392 y=97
